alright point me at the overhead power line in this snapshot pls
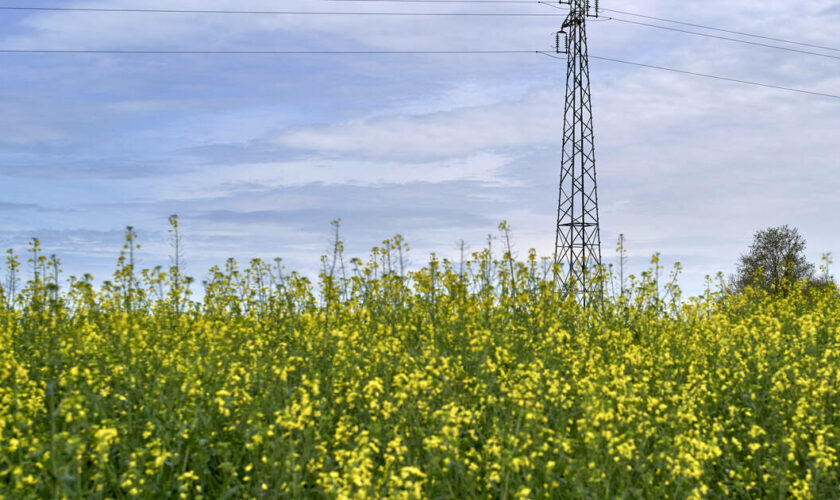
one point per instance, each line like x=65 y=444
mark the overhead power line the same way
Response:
x=278 y=12
x=704 y=75
x=728 y=39
x=262 y=52
x=437 y=1
x=603 y=9
x=706 y=35
x=722 y=30
x=396 y=53
x=733 y=32
x=458 y=14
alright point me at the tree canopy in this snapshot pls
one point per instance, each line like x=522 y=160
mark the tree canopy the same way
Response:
x=775 y=260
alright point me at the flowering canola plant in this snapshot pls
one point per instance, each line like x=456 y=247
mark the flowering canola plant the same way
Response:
x=480 y=380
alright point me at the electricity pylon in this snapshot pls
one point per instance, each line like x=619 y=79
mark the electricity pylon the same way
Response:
x=578 y=240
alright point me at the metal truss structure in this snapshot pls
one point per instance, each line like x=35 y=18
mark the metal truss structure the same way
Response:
x=578 y=239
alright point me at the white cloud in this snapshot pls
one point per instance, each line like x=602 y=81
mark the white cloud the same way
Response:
x=510 y=124
x=687 y=166
x=220 y=181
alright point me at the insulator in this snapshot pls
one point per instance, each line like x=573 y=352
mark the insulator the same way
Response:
x=557 y=43
x=597 y=8
x=568 y=45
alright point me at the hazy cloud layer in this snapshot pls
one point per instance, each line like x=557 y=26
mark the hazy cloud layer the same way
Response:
x=259 y=153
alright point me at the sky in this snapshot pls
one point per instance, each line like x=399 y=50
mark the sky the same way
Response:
x=258 y=153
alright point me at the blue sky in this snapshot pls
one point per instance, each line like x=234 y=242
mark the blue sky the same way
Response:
x=259 y=153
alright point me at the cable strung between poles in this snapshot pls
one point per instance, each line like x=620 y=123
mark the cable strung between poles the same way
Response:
x=604 y=9
x=391 y=52
x=279 y=12
x=706 y=27
x=718 y=37
x=476 y=14
x=704 y=75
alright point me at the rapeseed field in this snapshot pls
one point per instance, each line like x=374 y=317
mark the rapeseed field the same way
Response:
x=474 y=380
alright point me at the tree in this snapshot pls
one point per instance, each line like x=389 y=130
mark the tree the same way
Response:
x=775 y=260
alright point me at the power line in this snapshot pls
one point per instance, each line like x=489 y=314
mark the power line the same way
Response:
x=707 y=35
x=704 y=75
x=460 y=14
x=438 y=1
x=278 y=12
x=734 y=32
x=634 y=14
x=264 y=52
x=394 y=52
x=728 y=39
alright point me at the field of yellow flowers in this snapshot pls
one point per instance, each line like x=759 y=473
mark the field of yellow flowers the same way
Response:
x=452 y=381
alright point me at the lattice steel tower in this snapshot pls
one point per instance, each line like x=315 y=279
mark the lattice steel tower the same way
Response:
x=578 y=241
